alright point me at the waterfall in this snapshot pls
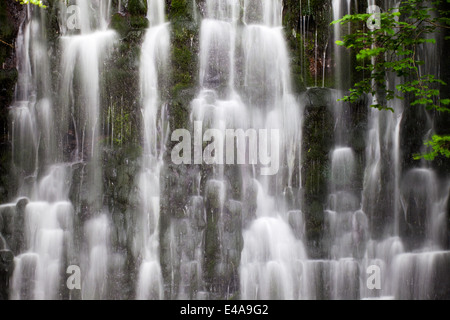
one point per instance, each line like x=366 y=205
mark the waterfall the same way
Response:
x=154 y=61
x=285 y=194
x=39 y=129
x=272 y=262
x=267 y=89
x=342 y=67
x=202 y=243
x=48 y=213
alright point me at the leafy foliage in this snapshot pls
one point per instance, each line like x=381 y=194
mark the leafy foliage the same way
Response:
x=440 y=146
x=392 y=48
x=35 y=2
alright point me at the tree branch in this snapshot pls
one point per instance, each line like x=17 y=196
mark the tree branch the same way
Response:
x=8 y=44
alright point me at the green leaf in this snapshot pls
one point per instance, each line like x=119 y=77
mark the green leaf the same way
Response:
x=394 y=47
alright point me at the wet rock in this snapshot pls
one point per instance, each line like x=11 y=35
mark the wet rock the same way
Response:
x=17 y=243
x=233 y=241
x=7 y=222
x=197 y=212
x=319 y=97
x=418 y=197
x=6 y=270
x=250 y=203
x=318 y=140
x=137 y=7
x=215 y=196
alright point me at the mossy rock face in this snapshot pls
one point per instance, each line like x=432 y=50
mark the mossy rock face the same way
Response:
x=181 y=9
x=137 y=7
x=442 y=119
x=180 y=107
x=5 y=180
x=121 y=83
x=139 y=22
x=319 y=97
x=6 y=34
x=121 y=168
x=358 y=136
x=302 y=51
x=8 y=79
x=318 y=139
x=6 y=271
x=413 y=130
x=184 y=63
x=11 y=15
x=120 y=23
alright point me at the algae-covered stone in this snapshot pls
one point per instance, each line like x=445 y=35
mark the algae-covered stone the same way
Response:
x=318 y=138
x=121 y=24
x=137 y=7
x=11 y=15
x=17 y=244
x=319 y=97
x=7 y=214
x=6 y=270
x=139 y=22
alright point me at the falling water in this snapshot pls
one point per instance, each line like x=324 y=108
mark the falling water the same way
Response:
x=341 y=56
x=266 y=272
x=238 y=233
x=154 y=61
x=48 y=214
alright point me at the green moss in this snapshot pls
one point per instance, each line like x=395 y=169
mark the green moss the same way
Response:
x=302 y=50
x=184 y=63
x=180 y=9
x=5 y=181
x=123 y=114
x=137 y=7
x=8 y=78
x=182 y=56
x=121 y=24
x=318 y=140
x=8 y=30
x=183 y=60
x=139 y=22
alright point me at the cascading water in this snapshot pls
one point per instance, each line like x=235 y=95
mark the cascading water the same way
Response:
x=202 y=244
x=393 y=229
x=342 y=69
x=154 y=61
x=205 y=250
x=238 y=233
x=266 y=271
x=47 y=213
